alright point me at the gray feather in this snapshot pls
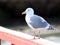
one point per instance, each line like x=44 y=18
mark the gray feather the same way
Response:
x=51 y=28
x=37 y=22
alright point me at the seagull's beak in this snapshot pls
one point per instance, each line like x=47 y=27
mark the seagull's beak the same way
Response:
x=23 y=12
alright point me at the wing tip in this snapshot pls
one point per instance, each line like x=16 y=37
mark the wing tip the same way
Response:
x=51 y=28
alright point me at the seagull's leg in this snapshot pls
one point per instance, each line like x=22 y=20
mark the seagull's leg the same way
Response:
x=34 y=34
x=39 y=29
x=39 y=34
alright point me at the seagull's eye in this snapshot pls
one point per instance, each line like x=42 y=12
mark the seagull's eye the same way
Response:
x=28 y=10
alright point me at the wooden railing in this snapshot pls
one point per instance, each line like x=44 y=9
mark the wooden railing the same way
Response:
x=19 y=38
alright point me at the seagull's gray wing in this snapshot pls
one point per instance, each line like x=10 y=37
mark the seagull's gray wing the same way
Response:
x=38 y=22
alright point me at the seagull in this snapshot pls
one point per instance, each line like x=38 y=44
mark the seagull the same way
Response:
x=36 y=22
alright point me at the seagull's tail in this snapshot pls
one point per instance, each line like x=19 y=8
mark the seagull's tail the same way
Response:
x=51 y=28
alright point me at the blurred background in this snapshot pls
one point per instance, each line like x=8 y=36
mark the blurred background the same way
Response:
x=11 y=17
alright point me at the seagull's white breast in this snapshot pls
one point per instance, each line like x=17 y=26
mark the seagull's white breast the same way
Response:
x=27 y=18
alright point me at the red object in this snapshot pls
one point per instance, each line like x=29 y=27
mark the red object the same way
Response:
x=15 y=40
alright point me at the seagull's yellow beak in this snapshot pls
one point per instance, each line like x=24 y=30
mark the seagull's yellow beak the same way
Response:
x=23 y=12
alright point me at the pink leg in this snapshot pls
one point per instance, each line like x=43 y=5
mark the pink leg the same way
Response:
x=38 y=29
x=39 y=34
x=34 y=34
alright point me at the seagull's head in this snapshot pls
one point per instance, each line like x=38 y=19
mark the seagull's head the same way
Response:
x=28 y=11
